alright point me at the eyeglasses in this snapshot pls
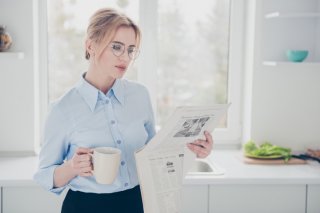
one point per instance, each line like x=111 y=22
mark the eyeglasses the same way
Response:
x=118 y=49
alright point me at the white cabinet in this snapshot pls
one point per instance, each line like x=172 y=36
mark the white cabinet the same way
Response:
x=253 y=198
x=11 y=55
x=224 y=198
x=195 y=199
x=30 y=200
x=313 y=201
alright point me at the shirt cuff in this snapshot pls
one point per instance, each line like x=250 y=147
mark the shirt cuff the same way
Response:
x=44 y=177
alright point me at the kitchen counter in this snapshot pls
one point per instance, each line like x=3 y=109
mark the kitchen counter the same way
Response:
x=238 y=172
x=19 y=171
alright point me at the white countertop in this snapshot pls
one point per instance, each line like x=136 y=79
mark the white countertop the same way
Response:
x=238 y=172
x=19 y=172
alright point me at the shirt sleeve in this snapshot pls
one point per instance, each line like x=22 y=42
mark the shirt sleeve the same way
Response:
x=53 y=150
x=150 y=124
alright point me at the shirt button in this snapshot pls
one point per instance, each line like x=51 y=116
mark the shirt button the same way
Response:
x=122 y=163
x=126 y=184
x=113 y=122
x=118 y=141
x=107 y=101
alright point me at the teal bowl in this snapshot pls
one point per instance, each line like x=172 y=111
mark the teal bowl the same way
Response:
x=297 y=55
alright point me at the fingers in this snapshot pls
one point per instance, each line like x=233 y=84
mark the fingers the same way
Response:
x=83 y=157
x=86 y=171
x=201 y=152
x=202 y=143
x=208 y=137
x=83 y=150
x=86 y=174
x=202 y=147
x=81 y=161
x=83 y=164
x=313 y=153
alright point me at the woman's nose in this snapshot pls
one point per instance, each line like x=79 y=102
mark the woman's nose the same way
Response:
x=125 y=57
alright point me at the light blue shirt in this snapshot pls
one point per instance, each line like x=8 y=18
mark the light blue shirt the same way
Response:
x=86 y=117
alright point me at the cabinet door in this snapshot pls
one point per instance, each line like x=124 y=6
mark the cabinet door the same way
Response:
x=195 y=198
x=30 y=200
x=257 y=198
x=313 y=201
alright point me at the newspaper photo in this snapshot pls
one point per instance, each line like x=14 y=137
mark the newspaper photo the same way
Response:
x=160 y=164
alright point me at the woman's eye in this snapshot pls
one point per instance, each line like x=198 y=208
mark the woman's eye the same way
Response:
x=116 y=47
x=131 y=50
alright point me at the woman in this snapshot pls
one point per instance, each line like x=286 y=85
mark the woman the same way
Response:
x=101 y=110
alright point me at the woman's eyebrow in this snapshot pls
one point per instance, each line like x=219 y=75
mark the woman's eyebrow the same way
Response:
x=119 y=42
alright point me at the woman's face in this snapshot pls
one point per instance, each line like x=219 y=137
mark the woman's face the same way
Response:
x=114 y=60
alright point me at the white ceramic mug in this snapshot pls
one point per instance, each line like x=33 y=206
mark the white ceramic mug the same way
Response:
x=106 y=161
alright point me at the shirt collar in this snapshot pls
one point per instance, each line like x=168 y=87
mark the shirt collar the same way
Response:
x=91 y=94
x=118 y=90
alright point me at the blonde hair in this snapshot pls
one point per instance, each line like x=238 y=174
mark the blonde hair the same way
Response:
x=103 y=25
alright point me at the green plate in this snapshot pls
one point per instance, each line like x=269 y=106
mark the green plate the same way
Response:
x=264 y=157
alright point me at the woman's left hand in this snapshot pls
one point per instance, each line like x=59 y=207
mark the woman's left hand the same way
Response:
x=202 y=148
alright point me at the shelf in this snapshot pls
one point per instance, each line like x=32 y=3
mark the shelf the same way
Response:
x=18 y=55
x=292 y=15
x=286 y=63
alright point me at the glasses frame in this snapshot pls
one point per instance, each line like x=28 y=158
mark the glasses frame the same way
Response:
x=119 y=53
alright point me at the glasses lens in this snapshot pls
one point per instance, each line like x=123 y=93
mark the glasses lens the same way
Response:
x=133 y=52
x=117 y=49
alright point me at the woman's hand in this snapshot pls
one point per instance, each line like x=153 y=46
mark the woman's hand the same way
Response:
x=81 y=163
x=314 y=153
x=202 y=148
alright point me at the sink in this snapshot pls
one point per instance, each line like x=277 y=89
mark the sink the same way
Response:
x=200 y=166
x=205 y=167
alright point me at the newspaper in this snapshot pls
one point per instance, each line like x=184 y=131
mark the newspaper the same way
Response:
x=160 y=164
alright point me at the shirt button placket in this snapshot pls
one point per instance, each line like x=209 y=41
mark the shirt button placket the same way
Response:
x=119 y=143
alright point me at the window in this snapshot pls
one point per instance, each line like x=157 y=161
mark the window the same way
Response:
x=190 y=52
x=67 y=22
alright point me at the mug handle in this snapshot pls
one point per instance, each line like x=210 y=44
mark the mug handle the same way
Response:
x=91 y=154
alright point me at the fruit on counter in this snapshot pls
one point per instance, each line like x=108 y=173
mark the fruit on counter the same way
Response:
x=266 y=150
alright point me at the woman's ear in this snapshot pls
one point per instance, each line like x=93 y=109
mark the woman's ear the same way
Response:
x=90 y=47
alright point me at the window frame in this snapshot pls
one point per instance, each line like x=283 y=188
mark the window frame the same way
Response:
x=230 y=136
x=43 y=70
x=147 y=63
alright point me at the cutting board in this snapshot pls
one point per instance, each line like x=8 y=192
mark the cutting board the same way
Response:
x=273 y=161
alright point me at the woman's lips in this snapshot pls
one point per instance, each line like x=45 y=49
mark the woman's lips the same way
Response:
x=121 y=67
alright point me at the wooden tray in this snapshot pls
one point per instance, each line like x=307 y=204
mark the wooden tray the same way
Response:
x=273 y=161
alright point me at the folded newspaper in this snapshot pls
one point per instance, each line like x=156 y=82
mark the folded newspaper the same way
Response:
x=161 y=164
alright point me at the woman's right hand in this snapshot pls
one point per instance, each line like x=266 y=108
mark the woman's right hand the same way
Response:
x=314 y=153
x=81 y=163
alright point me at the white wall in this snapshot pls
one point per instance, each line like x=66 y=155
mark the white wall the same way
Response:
x=17 y=78
x=285 y=99
x=318 y=34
